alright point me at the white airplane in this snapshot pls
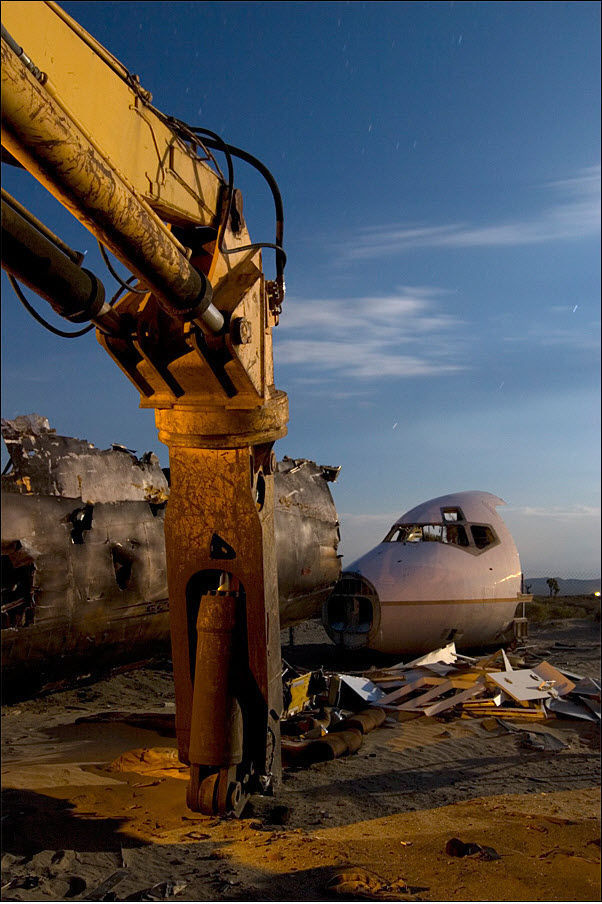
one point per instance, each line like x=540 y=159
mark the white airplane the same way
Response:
x=448 y=570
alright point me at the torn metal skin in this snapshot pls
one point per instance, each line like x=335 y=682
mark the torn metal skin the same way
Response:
x=84 y=582
x=307 y=538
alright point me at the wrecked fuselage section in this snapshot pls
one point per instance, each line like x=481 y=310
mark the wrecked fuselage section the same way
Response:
x=83 y=556
x=84 y=582
x=307 y=538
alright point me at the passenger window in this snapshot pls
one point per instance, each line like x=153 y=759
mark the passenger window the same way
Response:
x=482 y=535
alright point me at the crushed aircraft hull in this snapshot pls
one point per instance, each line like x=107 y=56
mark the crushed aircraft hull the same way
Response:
x=84 y=581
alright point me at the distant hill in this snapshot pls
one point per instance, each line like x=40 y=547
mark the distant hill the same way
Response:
x=566 y=587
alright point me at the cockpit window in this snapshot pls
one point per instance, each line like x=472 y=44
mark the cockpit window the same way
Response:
x=456 y=535
x=453 y=534
x=404 y=533
x=452 y=514
x=482 y=535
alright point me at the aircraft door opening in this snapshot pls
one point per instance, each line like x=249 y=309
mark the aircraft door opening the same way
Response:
x=351 y=615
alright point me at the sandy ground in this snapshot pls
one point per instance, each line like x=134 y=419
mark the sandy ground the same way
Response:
x=74 y=828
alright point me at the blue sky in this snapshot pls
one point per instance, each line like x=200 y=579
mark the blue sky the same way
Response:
x=439 y=164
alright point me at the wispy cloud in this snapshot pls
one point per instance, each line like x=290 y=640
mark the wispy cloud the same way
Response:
x=361 y=532
x=556 y=511
x=573 y=326
x=580 y=338
x=405 y=334
x=574 y=213
x=369 y=518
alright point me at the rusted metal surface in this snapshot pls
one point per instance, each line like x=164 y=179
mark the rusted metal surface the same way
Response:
x=219 y=644
x=220 y=521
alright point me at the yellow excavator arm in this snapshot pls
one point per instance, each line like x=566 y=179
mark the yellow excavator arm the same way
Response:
x=191 y=329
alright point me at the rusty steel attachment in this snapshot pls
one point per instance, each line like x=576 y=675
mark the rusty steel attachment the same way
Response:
x=223 y=590
x=197 y=345
x=218 y=688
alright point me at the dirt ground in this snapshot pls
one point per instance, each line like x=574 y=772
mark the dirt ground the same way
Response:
x=75 y=828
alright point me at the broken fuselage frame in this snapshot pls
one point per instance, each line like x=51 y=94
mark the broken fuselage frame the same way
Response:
x=84 y=583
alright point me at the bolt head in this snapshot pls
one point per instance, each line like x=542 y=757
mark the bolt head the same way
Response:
x=241 y=331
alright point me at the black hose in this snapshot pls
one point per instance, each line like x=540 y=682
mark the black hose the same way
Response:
x=273 y=185
x=213 y=140
x=47 y=326
x=115 y=275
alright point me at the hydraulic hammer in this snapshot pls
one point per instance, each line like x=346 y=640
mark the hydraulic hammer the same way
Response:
x=193 y=334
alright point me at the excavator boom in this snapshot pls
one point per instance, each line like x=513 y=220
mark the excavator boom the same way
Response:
x=192 y=331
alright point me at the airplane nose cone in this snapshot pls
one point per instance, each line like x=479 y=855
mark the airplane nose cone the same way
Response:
x=351 y=611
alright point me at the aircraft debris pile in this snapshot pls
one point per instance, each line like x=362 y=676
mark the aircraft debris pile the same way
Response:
x=446 y=683
x=327 y=714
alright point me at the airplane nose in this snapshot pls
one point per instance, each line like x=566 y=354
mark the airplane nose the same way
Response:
x=351 y=611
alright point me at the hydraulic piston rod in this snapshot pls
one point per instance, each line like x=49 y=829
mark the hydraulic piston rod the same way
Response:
x=45 y=139
x=74 y=292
